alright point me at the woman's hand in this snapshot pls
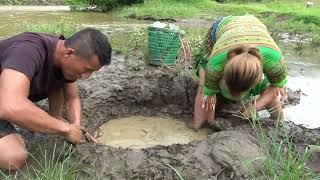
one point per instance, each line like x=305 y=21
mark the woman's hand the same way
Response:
x=203 y=111
x=283 y=93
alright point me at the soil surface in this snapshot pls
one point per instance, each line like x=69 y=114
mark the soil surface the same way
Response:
x=116 y=92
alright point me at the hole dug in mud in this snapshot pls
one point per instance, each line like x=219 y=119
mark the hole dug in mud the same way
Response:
x=143 y=132
x=114 y=93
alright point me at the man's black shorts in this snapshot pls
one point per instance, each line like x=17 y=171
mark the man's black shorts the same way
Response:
x=6 y=128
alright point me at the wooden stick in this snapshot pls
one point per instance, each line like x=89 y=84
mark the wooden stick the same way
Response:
x=88 y=136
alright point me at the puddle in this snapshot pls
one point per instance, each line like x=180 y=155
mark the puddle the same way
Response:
x=142 y=132
x=304 y=74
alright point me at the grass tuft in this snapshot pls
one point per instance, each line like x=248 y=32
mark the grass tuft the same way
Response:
x=177 y=172
x=282 y=159
x=56 y=165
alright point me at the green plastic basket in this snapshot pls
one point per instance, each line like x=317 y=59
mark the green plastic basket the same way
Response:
x=163 y=44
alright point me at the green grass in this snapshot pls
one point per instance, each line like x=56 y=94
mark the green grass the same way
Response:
x=279 y=16
x=50 y=28
x=175 y=171
x=210 y=9
x=167 y=8
x=137 y=46
x=282 y=161
x=56 y=165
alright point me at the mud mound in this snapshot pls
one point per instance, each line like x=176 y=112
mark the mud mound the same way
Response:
x=115 y=92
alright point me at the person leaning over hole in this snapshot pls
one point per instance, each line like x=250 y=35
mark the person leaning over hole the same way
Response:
x=239 y=59
x=35 y=66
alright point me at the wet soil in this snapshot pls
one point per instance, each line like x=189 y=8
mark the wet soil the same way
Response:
x=115 y=92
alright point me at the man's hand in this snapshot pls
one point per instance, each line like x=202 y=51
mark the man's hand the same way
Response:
x=74 y=134
x=77 y=124
x=73 y=105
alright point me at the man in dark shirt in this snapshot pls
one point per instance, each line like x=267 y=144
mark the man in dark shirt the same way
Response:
x=35 y=66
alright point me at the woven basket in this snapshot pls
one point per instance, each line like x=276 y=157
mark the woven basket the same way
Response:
x=163 y=44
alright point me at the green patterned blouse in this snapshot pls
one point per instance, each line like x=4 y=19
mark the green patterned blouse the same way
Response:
x=238 y=30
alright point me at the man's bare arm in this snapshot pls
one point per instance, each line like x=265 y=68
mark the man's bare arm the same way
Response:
x=73 y=103
x=56 y=102
x=15 y=106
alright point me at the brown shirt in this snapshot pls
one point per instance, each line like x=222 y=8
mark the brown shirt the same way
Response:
x=32 y=55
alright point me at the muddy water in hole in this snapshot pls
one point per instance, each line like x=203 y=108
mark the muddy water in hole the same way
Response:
x=142 y=132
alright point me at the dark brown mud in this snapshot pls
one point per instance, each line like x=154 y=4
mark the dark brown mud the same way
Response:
x=115 y=92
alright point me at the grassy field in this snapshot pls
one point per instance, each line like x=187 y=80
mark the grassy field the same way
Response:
x=280 y=16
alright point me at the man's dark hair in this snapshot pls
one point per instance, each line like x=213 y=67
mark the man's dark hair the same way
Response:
x=89 y=42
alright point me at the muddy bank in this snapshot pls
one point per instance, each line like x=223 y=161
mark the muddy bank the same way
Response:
x=115 y=92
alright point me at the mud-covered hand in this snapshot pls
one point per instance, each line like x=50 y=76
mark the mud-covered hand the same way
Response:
x=74 y=134
x=283 y=93
x=280 y=91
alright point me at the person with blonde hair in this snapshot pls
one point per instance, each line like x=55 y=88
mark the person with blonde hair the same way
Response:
x=239 y=59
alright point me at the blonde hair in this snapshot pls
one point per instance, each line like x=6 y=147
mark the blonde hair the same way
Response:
x=243 y=69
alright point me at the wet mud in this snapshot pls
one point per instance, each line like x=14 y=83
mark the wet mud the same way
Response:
x=143 y=132
x=115 y=92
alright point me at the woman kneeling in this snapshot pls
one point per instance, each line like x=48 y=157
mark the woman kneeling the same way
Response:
x=239 y=59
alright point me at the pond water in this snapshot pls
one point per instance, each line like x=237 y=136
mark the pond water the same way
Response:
x=304 y=74
x=10 y=21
